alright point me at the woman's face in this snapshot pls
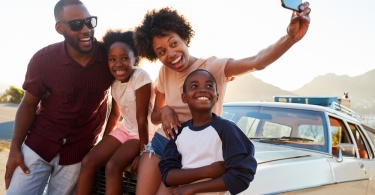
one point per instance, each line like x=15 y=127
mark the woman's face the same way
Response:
x=121 y=61
x=172 y=51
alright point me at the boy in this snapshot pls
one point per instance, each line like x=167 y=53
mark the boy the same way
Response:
x=203 y=140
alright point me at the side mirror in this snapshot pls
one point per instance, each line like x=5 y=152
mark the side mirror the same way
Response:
x=345 y=149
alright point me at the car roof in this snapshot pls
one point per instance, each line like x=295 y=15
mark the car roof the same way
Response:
x=298 y=106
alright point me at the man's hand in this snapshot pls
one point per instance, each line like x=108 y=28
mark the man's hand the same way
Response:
x=299 y=23
x=15 y=159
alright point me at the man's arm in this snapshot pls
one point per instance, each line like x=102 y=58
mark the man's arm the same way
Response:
x=24 y=119
x=296 y=30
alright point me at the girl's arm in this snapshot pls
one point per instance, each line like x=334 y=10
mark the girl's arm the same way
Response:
x=143 y=95
x=112 y=118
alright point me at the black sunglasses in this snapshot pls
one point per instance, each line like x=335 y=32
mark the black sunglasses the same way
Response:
x=77 y=25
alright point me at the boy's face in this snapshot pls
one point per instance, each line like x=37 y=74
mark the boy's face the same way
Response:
x=200 y=91
x=172 y=51
x=121 y=61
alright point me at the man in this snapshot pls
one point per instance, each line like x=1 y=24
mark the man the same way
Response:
x=64 y=107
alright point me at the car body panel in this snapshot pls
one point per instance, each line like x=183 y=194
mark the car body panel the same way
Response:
x=308 y=162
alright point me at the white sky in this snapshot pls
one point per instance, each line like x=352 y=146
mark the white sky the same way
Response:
x=340 y=40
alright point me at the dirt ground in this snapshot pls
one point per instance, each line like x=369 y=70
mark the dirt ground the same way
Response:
x=3 y=161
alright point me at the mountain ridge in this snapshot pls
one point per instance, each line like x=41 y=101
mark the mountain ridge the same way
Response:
x=359 y=88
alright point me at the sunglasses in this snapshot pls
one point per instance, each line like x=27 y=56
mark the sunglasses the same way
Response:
x=77 y=25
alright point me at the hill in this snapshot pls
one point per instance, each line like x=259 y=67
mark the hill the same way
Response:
x=249 y=88
x=360 y=89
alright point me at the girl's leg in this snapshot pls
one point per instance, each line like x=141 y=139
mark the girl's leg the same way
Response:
x=95 y=159
x=116 y=165
x=149 y=177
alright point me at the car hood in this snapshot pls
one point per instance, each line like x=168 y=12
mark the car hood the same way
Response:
x=265 y=153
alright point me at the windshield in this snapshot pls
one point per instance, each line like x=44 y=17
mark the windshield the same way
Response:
x=281 y=126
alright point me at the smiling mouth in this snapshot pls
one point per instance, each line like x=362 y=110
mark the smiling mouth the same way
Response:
x=176 y=60
x=119 y=72
x=85 y=39
x=203 y=98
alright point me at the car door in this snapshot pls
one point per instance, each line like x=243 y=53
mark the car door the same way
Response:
x=349 y=174
x=365 y=140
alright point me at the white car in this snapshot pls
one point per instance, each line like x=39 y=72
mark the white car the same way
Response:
x=307 y=149
x=300 y=148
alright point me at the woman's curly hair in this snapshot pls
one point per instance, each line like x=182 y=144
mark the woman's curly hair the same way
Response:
x=159 y=23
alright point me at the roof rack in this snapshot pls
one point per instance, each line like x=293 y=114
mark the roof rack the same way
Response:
x=314 y=100
x=344 y=109
x=331 y=102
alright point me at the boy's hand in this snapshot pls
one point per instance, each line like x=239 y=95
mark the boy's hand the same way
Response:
x=182 y=190
x=216 y=169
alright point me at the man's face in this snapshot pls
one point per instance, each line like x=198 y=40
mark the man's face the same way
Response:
x=80 y=41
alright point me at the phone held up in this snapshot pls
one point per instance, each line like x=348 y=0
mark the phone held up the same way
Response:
x=292 y=4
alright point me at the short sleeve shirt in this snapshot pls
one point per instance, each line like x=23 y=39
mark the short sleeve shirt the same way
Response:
x=73 y=102
x=170 y=83
x=125 y=96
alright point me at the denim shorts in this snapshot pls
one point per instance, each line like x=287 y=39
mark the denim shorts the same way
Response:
x=157 y=145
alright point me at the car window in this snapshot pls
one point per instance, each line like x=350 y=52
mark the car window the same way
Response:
x=339 y=134
x=284 y=126
x=363 y=146
x=371 y=137
x=371 y=133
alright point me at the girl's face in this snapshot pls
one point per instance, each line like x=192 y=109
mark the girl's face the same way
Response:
x=172 y=51
x=121 y=61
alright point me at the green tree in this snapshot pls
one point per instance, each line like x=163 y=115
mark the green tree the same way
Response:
x=12 y=95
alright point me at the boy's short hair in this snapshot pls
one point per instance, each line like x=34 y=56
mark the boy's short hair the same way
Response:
x=59 y=7
x=158 y=23
x=198 y=70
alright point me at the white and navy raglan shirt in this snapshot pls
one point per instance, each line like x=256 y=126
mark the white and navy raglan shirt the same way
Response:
x=218 y=140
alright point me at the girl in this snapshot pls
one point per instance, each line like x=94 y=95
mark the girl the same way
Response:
x=132 y=97
x=165 y=35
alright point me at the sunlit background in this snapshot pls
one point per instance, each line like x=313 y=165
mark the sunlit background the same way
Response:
x=340 y=39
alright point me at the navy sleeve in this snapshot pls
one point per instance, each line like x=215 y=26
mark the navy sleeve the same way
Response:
x=170 y=159
x=238 y=154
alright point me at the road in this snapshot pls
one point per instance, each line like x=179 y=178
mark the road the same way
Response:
x=7 y=115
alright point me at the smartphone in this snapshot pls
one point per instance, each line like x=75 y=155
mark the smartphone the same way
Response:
x=291 y=4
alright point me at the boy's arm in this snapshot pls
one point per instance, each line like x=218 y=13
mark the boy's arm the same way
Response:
x=177 y=177
x=172 y=174
x=238 y=153
x=112 y=118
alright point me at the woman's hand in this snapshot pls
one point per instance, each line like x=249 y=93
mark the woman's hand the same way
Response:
x=169 y=121
x=299 y=23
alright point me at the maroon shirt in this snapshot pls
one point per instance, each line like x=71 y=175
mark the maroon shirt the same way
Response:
x=73 y=103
